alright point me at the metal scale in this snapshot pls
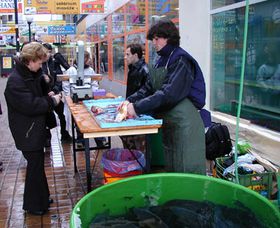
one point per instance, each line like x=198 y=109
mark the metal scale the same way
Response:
x=80 y=86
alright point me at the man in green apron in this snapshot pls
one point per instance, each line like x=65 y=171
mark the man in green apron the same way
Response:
x=175 y=92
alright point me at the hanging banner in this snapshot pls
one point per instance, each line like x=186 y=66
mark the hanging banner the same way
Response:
x=8 y=6
x=63 y=7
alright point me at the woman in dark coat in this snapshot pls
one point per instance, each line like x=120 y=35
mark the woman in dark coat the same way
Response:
x=174 y=92
x=28 y=108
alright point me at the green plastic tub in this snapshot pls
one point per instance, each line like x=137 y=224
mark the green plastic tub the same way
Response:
x=156 y=189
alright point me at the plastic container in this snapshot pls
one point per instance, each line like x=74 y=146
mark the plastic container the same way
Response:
x=110 y=177
x=116 y=198
x=121 y=163
x=259 y=182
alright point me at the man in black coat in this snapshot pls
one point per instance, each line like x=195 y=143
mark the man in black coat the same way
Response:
x=51 y=68
x=138 y=73
x=28 y=109
x=138 y=69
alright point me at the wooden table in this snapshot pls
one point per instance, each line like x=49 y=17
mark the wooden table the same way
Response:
x=90 y=129
x=65 y=77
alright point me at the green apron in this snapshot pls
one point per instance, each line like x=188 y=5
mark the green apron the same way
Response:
x=182 y=133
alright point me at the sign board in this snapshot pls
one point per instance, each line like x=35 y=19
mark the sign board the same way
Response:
x=38 y=7
x=7 y=62
x=92 y=6
x=8 y=6
x=64 y=7
x=62 y=30
x=7 y=30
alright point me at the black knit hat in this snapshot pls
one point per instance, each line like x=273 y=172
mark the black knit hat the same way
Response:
x=47 y=46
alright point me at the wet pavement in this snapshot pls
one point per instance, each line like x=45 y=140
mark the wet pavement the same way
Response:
x=66 y=186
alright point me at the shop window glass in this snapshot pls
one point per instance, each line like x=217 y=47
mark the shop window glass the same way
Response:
x=139 y=38
x=118 y=22
x=92 y=32
x=68 y=52
x=118 y=59
x=260 y=102
x=103 y=29
x=103 y=52
x=220 y=3
x=163 y=8
x=135 y=15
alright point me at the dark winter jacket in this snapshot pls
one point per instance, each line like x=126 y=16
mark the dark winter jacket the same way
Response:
x=52 y=69
x=184 y=79
x=137 y=76
x=59 y=60
x=27 y=107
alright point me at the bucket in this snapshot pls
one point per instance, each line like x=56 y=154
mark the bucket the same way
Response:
x=122 y=163
x=116 y=198
x=110 y=177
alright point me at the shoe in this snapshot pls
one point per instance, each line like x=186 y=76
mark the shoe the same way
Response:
x=66 y=138
x=101 y=143
x=80 y=142
x=50 y=201
x=36 y=212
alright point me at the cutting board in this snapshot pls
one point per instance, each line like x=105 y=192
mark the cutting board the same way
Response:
x=106 y=119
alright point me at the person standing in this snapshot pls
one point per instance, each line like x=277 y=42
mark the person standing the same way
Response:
x=28 y=108
x=88 y=72
x=1 y=163
x=51 y=68
x=174 y=92
x=138 y=72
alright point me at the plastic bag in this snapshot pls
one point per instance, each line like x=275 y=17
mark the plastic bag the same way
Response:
x=243 y=147
x=122 y=161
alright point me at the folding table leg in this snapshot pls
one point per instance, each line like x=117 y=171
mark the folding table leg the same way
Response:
x=88 y=171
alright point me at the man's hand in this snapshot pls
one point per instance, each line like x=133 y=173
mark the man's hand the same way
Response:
x=51 y=93
x=121 y=105
x=131 y=111
x=57 y=98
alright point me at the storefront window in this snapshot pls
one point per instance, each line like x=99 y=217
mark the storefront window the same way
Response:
x=135 y=15
x=118 y=59
x=220 y=3
x=260 y=102
x=139 y=38
x=68 y=52
x=92 y=32
x=103 y=52
x=162 y=8
x=118 y=22
x=103 y=29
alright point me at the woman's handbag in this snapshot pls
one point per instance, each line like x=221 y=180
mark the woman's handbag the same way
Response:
x=51 y=120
